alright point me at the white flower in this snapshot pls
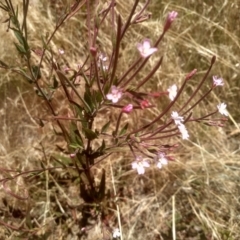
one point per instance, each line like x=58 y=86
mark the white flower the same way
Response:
x=102 y=57
x=172 y=91
x=162 y=160
x=140 y=164
x=145 y=48
x=115 y=95
x=116 y=233
x=183 y=131
x=217 y=81
x=177 y=119
x=222 y=109
x=61 y=51
x=104 y=67
x=181 y=127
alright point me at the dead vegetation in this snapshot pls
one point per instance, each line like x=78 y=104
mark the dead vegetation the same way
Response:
x=195 y=197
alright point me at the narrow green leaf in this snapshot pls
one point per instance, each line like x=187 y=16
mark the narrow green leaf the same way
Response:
x=75 y=146
x=85 y=77
x=115 y=81
x=107 y=88
x=124 y=129
x=84 y=193
x=55 y=82
x=100 y=151
x=105 y=127
x=19 y=36
x=89 y=134
x=92 y=81
x=14 y=19
x=75 y=136
x=22 y=41
x=36 y=72
x=62 y=160
x=44 y=43
x=23 y=73
x=88 y=98
x=103 y=146
x=80 y=113
x=78 y=137
x=20 y=49
x=64 y=79
x=97 y=98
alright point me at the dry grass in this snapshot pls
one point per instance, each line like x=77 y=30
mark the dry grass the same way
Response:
x=196 y=197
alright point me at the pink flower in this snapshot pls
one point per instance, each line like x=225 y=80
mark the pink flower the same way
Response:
x=170 y=18
x=177 y=119
x=222 y=109
x=128 y=108
x=115 y=95
x=140 y=164
x=66 y=69
x=183 y=131
x=217 y=81
x=172 y=91
x=72 y=155
x=162 y=160
x=145 y=48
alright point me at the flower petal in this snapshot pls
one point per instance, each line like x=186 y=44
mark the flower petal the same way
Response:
x=222 y=109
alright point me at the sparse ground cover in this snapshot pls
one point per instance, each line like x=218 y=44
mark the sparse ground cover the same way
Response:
x=197 y=196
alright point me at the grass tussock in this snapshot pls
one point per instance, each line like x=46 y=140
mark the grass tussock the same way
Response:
x=194 y=197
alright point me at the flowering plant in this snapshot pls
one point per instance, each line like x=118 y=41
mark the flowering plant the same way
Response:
x=108 y=88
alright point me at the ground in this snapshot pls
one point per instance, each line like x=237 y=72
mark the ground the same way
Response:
x=194 y=197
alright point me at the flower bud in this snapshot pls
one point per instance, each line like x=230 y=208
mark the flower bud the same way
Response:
x=170 y=18
x=93 y=51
